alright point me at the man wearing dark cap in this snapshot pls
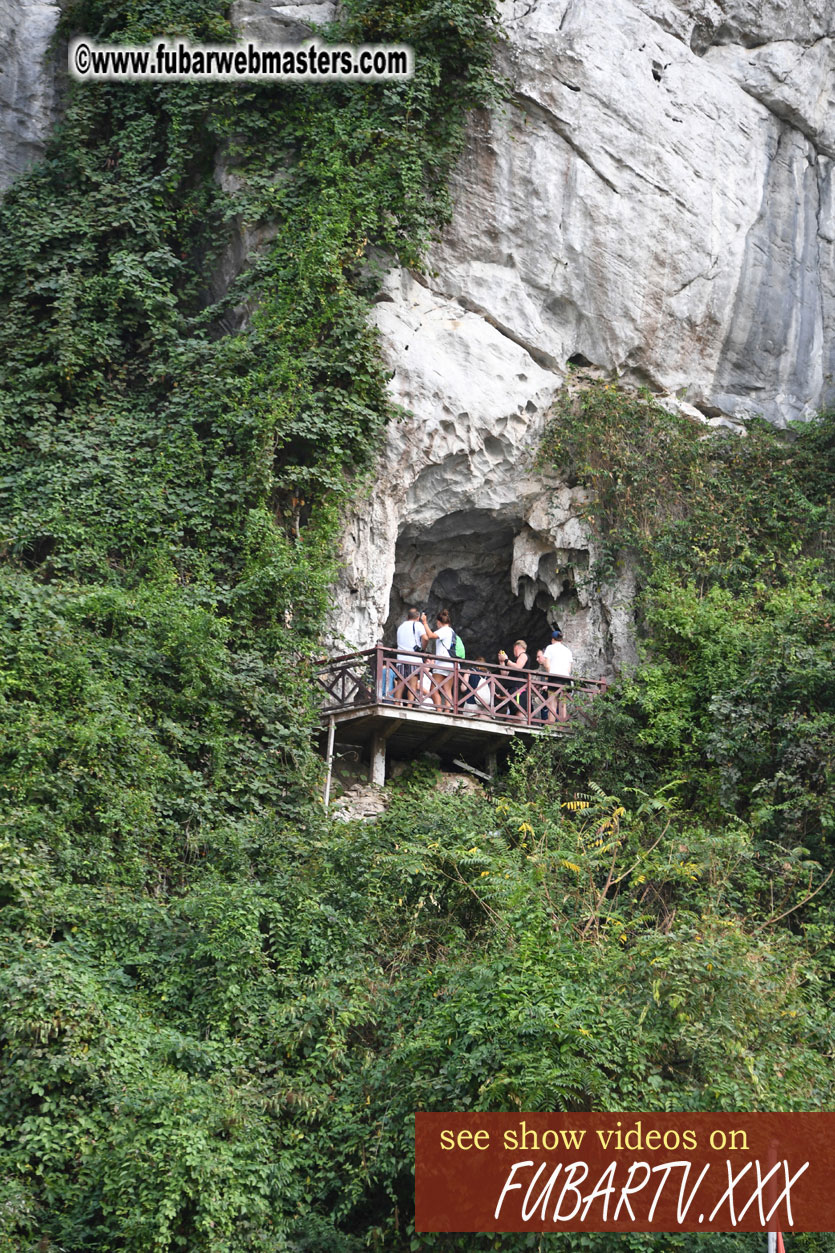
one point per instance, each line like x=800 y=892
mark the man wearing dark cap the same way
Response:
x=558 y=659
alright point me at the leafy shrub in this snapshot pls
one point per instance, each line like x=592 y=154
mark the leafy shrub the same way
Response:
x=732 y=536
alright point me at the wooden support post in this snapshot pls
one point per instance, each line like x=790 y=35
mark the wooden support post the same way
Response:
x=378 y=760
x=492 y=761
x=329 y=759
x=379 y=673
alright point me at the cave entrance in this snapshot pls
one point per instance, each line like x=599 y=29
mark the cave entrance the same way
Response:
x=463 y=562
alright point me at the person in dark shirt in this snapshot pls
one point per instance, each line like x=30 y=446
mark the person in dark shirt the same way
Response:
x=512 y=684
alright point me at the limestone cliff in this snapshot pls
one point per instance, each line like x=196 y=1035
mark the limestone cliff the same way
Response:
x=27 y=83
x=657 y=197
x=657 y=200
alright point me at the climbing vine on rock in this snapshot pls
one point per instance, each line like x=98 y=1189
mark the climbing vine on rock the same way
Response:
x=189 y=386
x=729 y=508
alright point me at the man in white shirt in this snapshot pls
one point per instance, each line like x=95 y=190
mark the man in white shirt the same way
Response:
x=411 y=640
x=558 y=659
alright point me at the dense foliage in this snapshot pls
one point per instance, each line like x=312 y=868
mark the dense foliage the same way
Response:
x=734 y=540
x=175 y=442
x=728 y=510
x=221 y=1010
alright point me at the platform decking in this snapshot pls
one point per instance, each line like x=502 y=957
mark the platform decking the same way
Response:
x=381 y=696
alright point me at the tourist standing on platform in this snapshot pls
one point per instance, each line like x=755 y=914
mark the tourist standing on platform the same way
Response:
x=558 y=659
x=519 y=661
x=411 y=639
x=442 y=669
x=476 y=688
x=539 y=689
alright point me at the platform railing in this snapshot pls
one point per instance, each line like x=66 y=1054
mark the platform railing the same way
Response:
x=460 y=688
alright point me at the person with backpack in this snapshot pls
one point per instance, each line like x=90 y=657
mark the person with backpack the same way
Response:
x=447 y=647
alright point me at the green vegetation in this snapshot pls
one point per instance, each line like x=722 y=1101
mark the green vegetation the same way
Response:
x=669 y=492
x=220 y=1010
x=734 y=539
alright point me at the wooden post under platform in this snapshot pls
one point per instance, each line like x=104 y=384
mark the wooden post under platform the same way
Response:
x=378 y=761
x=329 y=775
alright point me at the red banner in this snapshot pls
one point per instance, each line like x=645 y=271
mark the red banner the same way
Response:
x=624 y=1172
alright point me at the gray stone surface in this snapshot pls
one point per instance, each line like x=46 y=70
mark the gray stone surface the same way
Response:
x=27 y=83
x=655 y=209
x=361 y=803
x=750 y=23
x=289 y=23
x=656 y=199
x=460 y=464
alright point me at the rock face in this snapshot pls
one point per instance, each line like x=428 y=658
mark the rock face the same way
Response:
x=458 y=514
x=279 y=23
x=657 y=200
x=27 y=83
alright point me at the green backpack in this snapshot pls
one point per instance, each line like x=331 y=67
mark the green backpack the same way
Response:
x=458 y=646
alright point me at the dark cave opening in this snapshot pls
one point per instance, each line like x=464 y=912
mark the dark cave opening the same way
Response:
x=462 y=562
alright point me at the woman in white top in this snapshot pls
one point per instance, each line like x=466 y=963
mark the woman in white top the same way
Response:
x=442 y=669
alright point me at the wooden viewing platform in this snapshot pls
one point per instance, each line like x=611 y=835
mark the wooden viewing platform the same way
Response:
x=383 y=696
